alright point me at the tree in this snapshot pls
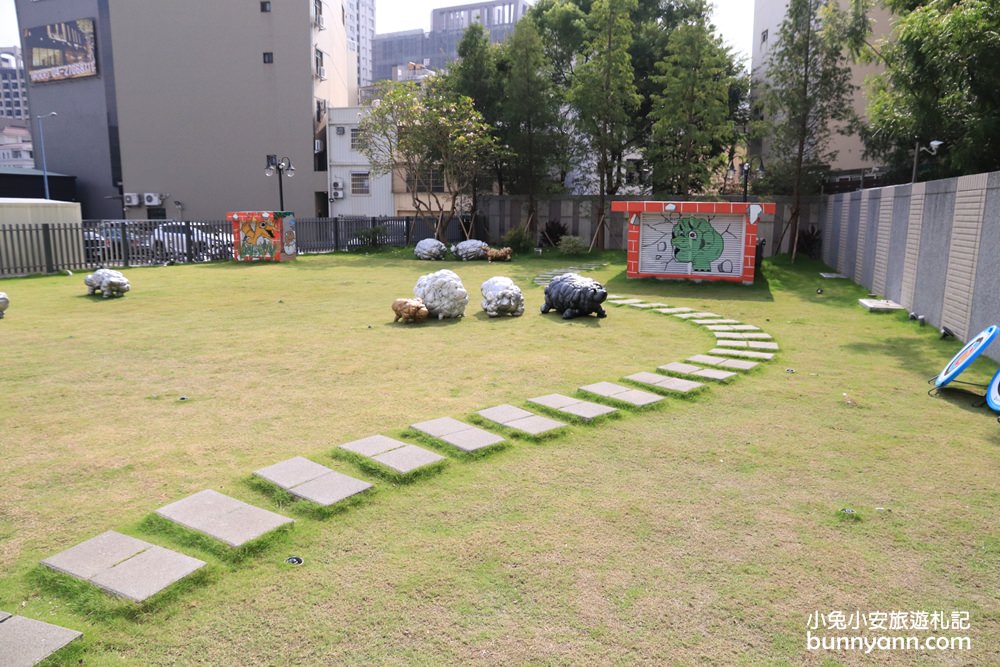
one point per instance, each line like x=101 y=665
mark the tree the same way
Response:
x=692 y=124
x=809 y=88
x=604 y=97
x=940 y=83
x=433 y=139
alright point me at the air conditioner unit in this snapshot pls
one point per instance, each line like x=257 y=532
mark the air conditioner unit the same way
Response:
x=152 y=199
x=337 y=184
x=317 y=146
x=337 y=194
x=321 y=22
x=131 y=198
x=321 y=73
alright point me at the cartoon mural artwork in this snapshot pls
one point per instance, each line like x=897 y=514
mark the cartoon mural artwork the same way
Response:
x=263 y=235
x=692 y=240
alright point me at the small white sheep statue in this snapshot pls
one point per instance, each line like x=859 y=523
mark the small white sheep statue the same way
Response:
x=4 y=303
x=430 y=249
x=443 y=294
x=502 y=297
x=471 y=249
x=108 y=282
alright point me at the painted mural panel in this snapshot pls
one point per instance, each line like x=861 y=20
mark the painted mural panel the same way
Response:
x=263 y=235
x=696 y=245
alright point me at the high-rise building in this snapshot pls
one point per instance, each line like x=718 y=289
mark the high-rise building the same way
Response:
x=360 y=20
x=171 y=109
x=438 y=48
x=13 y=88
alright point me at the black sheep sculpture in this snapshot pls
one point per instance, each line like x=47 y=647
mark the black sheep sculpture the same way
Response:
x=574 y=296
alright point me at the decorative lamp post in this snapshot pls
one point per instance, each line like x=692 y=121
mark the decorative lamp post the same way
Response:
x=744 y=168
x=282 y=167
x=41 y=144
x=934 y=146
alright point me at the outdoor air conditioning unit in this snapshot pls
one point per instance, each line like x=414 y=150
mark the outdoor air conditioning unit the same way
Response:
x=337 y=184
x=321 y=73
x=337 y=194
x=320 y=22
x=152 y=199
x=131 y=198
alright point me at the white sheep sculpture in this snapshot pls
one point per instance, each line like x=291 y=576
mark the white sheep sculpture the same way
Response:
x=430 y=249
x=471 y=249
x=4 y=303
x=502 y=297
x=443 y=294
x=108 y=282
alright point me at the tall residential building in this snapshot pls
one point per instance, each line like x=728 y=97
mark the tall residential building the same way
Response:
x=438 y=48
x=13 y=87
x=768 y=17
x=171 y=109
x=360 y=35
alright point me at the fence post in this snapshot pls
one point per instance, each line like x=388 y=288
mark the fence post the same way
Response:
x=50 y=265
x=189 y=245
x=409 y=230
x=124 y=242
x=336 y=233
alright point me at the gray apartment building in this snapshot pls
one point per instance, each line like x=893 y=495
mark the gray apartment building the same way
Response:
x=360 y=24
x=13 y=87
x=438 y=48
x=171 y=109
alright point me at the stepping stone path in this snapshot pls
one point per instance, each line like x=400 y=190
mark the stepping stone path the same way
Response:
x=690 y=369
x=123 y=565
x=228 y=520
x=732 y=327
x=545 y=278
x=25 y=641
x=312 y=481
x=466 y=437
x=749 y=354
x=754 y=344
x=644 y=306
x=695 y=315
x=623 y=302
x=521 y=420
x=674 y=311
x=741 y=335
x=635 y=397
x=585 y=410
x=666 y=382
x=722 y=362
x=723 y=321
x=393 y=454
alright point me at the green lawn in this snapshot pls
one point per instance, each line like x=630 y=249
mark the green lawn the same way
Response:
x=705 y=531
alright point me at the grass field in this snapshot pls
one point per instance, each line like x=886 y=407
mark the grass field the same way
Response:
x=705 y=531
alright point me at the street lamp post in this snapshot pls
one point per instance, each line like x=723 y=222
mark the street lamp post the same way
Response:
x=283 y=167
x=934 y=146
x=745 y=167
x=41 y=144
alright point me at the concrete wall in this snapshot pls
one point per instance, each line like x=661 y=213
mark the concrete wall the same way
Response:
x=932 y=247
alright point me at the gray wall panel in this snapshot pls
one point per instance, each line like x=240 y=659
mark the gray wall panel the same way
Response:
x=897 y=243
x=935 y=241
x=986 y=297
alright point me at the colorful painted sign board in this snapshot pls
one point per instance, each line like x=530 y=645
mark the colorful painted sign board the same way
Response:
x=60 y=51
x=692 y=240
x=263 y=235
x=966 y=355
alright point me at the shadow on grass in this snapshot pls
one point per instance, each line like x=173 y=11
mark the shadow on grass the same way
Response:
x=688 y=289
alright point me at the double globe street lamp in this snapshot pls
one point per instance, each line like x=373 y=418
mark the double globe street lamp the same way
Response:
x=282 y=167
x=744 y=169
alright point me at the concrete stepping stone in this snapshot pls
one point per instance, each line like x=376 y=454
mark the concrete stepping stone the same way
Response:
x=730 y=342
x=644 y=306
x=831 y=275
x=747 y=354
x=393 y=454
x=466 y=437
x=723 y=362
x=624 y=302
x=228 y=520
x=617 y=392
x=716 y=321
x=312 y=481
x=697 y=371
x=665 y=382
x=695 y=315
x=123 y=565
x=744 y=327
x=743 y=335
x=674 y=311
x=25 y=641
x=521 y=420
x=585 y=410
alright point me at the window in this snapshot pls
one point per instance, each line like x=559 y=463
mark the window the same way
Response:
x=355 y=139
x=763 y=37
x=429 y=182
x=360 y=183
x=268 y=57
x=265 y=7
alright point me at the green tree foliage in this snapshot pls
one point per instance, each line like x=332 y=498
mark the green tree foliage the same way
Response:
x=604 y=97
x=809 y=89
x=941 y=82
x=692 y=119
x=433 y=139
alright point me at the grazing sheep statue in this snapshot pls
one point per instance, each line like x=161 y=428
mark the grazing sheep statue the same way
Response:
x=430 y=249
x=409 y=310
x=498 y=254
x=573 y=295
x=502 y=297
x=4 y=303
x=443 y=294
x=108 y=282
x=471 y=249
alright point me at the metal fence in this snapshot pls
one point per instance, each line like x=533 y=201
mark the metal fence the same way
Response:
x=51 y=247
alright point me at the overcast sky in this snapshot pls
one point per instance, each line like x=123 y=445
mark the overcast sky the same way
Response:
x=733 y=18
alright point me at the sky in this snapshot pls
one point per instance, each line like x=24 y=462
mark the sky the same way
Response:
x=733 y=19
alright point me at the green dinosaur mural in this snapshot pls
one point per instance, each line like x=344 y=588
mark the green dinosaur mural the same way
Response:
x=695 y=240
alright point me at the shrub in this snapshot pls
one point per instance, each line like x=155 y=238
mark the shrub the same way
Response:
x=572 y=245
x=518 y=240
x=368 y=239
x=553 y=232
